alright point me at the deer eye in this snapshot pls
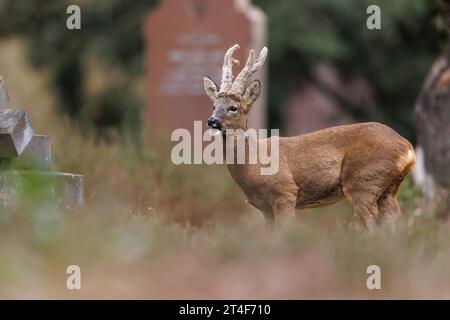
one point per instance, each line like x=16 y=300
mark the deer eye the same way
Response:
x=232 y=109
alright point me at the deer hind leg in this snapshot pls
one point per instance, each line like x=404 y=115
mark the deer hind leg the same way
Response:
x=371 y=190
x=364 y=200
x=366 y=209
x=387 y=203
x=388 y=207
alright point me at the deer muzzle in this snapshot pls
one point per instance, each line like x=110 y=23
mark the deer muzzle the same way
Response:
x=214 y=123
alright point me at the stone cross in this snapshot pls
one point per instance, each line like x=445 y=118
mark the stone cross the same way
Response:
x=25 y=159
x=4 y=97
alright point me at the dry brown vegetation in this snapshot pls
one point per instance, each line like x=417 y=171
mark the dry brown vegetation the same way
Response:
x=150 y=229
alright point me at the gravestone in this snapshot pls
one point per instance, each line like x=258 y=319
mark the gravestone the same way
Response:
x=15 y=132
x=4 y=98
x=187 y=40
x=26 y=167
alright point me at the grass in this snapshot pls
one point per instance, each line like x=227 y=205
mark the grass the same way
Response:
x=125 y=255
x=151 y=229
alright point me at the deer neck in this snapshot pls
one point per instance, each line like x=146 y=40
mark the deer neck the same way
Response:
x=231 y=143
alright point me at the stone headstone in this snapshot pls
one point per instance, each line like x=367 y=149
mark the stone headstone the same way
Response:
x=15 y=132
x=187 y=40
x=4 y=96
x=36 y=156
x=63 y=189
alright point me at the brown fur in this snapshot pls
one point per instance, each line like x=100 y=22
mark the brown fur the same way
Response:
x=364 y=163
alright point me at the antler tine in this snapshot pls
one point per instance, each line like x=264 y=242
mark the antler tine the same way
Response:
x=227 y=69
x=250 y=68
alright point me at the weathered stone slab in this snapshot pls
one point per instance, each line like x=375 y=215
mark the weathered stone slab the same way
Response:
x=188 y=41
x=15 y=132
x=4 y=97
x=36 y=156
x=27 y=187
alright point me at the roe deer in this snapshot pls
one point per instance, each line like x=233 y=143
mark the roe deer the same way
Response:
x=364 y=162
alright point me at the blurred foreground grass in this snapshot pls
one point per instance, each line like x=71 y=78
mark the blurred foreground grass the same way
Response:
x=154 y=230
x=128 y=256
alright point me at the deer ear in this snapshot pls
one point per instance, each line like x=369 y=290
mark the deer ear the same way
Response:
x=251 y=93
x=211 y=88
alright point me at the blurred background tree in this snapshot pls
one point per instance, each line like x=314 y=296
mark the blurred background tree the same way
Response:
x=394 y=59
x=433 y=122
x=302 y=34
x=111 y=34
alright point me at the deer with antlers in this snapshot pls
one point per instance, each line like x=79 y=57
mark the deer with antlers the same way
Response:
x=364 y=163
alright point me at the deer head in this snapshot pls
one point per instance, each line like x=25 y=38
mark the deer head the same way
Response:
x=232 y=101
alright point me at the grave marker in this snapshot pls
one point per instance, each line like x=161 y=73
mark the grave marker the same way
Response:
x=25 y=164
x=4 y=97
x=187 y=40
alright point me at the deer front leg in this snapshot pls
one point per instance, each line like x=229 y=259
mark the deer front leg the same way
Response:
x=284 y=210
x=269 y=218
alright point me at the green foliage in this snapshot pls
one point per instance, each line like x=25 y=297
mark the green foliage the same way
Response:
x=409 y=195
x=303 y=33
x=443 y=8
x=110 y=35
x=394 y=59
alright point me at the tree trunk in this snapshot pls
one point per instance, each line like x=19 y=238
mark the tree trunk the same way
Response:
x=432 y=115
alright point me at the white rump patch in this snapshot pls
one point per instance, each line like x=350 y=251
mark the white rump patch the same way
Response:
x=410 y=157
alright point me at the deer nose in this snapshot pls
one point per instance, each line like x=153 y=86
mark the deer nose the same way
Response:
x=214 y=123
